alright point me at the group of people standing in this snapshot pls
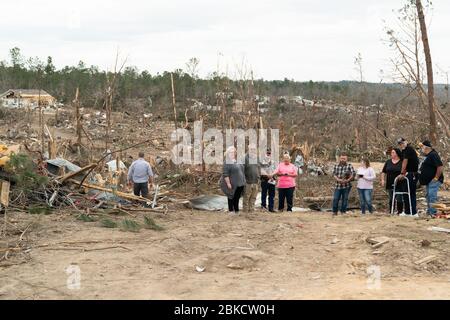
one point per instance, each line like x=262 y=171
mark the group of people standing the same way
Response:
x=401 y=173
x=406 y=172
x=244 y=179
x=400 y=176
x=344 y=174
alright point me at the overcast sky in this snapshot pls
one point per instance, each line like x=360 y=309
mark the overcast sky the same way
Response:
x=296 y=39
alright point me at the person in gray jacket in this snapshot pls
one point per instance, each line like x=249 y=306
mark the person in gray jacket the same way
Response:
x=252 y=172
x=233 y=180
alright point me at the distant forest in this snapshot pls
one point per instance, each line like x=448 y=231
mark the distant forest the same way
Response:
x=134 y=87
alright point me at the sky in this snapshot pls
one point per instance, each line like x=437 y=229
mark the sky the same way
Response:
x=295 y=39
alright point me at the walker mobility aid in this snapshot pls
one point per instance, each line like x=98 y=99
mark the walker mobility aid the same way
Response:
x=395 y=193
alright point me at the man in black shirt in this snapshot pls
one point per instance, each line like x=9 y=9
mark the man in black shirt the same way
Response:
x=431 y=175
x=410 y=167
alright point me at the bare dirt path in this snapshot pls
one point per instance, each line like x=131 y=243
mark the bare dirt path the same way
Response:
x=261 y=256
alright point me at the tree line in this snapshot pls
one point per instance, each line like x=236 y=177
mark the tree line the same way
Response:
x=136 y=87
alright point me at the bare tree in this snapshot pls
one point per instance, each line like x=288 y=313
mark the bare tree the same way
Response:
x=76 y=103
x=192 y=67
x=406 y=40
x=429 y=63
x=362 y=128
x=111 y=81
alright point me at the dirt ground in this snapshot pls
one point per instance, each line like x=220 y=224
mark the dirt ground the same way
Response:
x=258 y=256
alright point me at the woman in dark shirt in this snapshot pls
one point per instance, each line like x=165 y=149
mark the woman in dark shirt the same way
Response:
x=233 y=180
x=392 y=168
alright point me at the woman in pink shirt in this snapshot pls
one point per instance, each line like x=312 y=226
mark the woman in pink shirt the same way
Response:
x=286 y=173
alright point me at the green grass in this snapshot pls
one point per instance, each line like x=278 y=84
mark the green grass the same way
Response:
x=85 y=218
x=108 y=223
x=151 y=224
x=130 y=225
x=40 y=210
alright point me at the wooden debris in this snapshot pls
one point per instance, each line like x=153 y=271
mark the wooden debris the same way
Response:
x=70 y=175
x=4 y=193
x=126 y=212
x=317 y=199
x=235 y=266
x=439 y=206
x=123 y=195
x=91 y=249
x=155 y=196
x=443 y=210
x=426 y=260
x=377 y=242
x=439 y=229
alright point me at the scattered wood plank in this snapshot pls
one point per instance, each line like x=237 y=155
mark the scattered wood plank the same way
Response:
x=155 y=196
x=4 y=193
x=439 y=206
x=91 y=249
x=146 y=209
x=426 y=260
x=377 y=242
x=70 y=175
x=120 y=194
x=317 y=199
x=439 y=229
x=126 y=212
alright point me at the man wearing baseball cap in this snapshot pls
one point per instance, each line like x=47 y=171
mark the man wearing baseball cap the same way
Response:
x=410 y=168
x=431 y=175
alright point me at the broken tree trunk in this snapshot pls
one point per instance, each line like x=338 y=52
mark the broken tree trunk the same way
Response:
x=41 y=122
x=77 y=117
x=51 y=144
x=429 y=64
x=4 y=192
x=173 y=102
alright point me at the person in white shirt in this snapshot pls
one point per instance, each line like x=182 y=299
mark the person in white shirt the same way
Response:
x=365 y=175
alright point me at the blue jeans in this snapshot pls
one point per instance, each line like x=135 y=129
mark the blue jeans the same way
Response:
x=432 y=196
x=267 y=189
x=338 y=195
x=365 y=200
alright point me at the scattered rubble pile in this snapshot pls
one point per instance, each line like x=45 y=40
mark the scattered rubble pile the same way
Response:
x=61 y=187
x=60 y=166
x=443 y=209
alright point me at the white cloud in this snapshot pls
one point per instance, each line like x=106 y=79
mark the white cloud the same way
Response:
x=302 y=39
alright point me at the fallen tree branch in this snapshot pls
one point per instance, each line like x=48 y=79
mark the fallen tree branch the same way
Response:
x=62 y=179
x=118 y=193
